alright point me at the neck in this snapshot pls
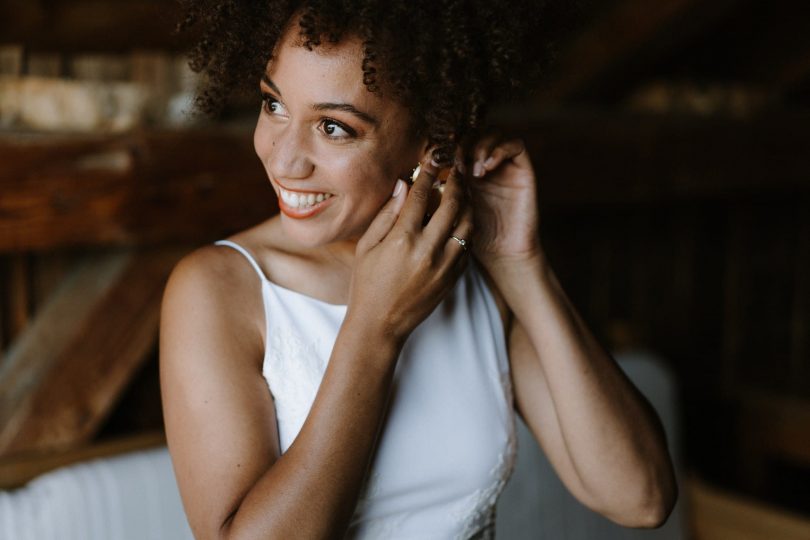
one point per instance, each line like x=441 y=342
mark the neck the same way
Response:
x=342 y=252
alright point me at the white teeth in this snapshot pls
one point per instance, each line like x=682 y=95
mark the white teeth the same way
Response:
x=302 y=200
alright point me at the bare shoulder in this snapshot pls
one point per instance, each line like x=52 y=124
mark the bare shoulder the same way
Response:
x=215 y=287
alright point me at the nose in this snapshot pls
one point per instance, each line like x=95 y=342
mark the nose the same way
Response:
x=289 y=153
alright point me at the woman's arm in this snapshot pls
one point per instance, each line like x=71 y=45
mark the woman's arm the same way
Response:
x=220 y=419
x=601 y=435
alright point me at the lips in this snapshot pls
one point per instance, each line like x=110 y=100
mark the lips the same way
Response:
x=302 y=204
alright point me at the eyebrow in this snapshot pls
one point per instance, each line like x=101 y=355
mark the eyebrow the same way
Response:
x=345 y=107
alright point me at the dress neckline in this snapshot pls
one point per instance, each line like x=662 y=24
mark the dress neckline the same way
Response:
x=297 y=294
x=263 y=277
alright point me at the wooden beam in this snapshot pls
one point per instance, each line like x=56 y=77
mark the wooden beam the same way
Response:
x=19 y=470
x=144 y=187
x=630 y=35
x=64 y=373
x=91 y=25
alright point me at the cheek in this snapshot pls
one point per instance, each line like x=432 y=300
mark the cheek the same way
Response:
x=364 y=177
x=373 y=187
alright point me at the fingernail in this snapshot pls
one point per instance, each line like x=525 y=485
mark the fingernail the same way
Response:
x=460 y=167
x=489 y=162
x=398 y=188
x=478 y=169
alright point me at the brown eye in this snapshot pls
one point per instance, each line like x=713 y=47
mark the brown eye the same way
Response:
x=336 y=130
x=272 y=105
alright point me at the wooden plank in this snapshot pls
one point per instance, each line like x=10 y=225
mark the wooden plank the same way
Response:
x=716 y=514
x=19 y=470
x=33 y=354
x=62 y=377
x=631 y=34
x=144 y=187
x=91 y=25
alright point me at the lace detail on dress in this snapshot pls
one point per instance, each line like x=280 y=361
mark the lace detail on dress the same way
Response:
x=293 y=360
x=478 y=508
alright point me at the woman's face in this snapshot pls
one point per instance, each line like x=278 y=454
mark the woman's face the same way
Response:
x=332 y=149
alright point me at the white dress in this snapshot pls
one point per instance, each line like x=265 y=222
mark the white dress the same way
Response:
x=447 y=446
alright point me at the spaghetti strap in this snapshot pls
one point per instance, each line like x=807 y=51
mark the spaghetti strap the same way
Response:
x=247 y=255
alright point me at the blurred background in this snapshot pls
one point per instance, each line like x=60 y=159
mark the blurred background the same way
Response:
x=671 y=140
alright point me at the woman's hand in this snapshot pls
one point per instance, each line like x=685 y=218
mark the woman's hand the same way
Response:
x=402 y=269
x=504 y=199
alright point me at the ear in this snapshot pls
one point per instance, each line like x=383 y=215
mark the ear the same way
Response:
x=427 y=150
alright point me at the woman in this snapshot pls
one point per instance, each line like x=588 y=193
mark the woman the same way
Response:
x=348 y=366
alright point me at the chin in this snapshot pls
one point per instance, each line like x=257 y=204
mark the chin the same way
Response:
x=302 y=234
x=310 y=234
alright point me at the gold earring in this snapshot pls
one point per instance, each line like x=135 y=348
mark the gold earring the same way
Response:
x=415 y=172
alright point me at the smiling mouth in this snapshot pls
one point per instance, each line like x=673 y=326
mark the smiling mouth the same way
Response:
x=302 y=204
x=300 y=199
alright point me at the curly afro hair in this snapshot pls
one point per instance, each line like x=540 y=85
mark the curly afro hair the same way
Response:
x=449 y=60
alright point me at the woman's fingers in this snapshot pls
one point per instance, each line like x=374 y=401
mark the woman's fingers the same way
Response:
x=458 y=241
x=483 y=149
x=385 y=219
x=488 y=156
x=413 y=213
x=446 y=215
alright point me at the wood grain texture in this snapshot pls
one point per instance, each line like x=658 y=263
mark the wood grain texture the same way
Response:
x=66 y=371
x=145 y=187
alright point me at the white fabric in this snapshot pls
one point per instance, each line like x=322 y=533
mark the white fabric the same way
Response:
x=128 y=497
x=448 y=443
